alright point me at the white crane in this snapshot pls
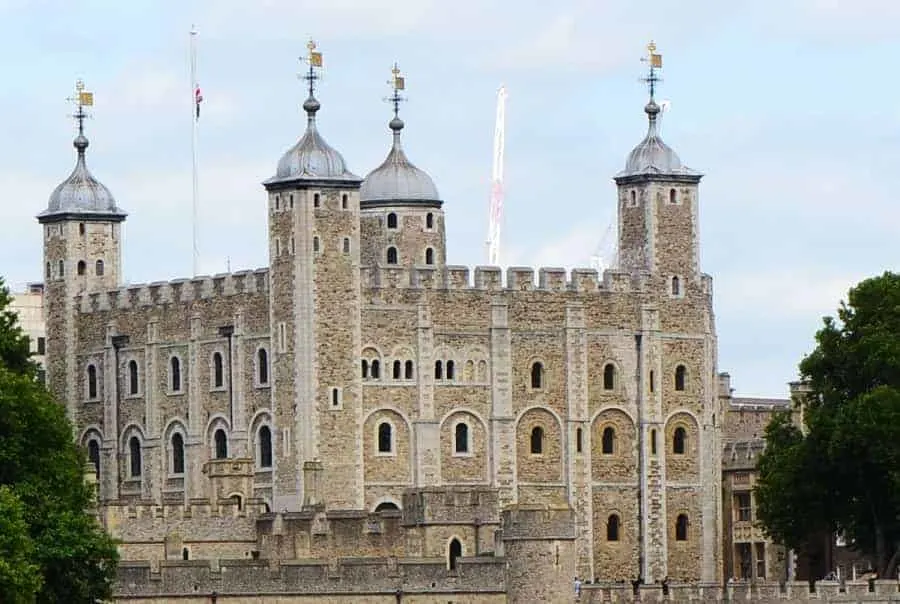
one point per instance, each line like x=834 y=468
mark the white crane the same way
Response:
x=496 y=208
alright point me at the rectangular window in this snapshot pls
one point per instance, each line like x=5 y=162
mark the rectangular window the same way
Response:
x=760 y=560
x=282 y=337
x=42 y=345
x=742 y=505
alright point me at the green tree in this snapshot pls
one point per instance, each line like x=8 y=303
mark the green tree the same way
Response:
x=44 y=469
x=841 y=473
x=20 y=576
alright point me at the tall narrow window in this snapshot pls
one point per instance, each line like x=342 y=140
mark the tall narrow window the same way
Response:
x=335 y=397
x=92 y=381
x=454 y=553
x=609 y=377
x=608 y=443
x=317 y=200
x=346 y=245
x=398 y=370
x=633 y=198
x=429 y=256
x=81 y=267
x=652 y=442
x=134 y=384
x=537 y=440
x=316 y=244
x=344 y=200
x=676 y=286
x=679 y=438
x=42 y=345
x=134 y=456
x=177 y=454
x=218 y=370
x=537 y=375
x=384 y=438
x=81 y=228
x=376 y=369
x=262 y=360
x=265 y=447
x=408 y=370
x=578 y=440
x=175 y=374
x=612 y=528
x=392 y=255
x=680 y=375
x=438 y=370
x=461 y=438
x=98 y=268
x=62 y=268
x=673 y=196
x=429 y=220
x=392 y=221
x=364 y=367
x=221 y=442
x=451 y=370
x=681 y=527
x=94 y=455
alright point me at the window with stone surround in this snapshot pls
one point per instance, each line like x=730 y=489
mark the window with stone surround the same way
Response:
x=609 y=376
x=652 y=442
x=680 y=377
x=135 y=464
x=392 y=221
x=676 y=287
x=375 y=369
x=264 y=447
x=218 y=371
x=385 y=438
x=262 y=367
x=537 y=440
x=450 y=373
x=579 y=438
x=679 y=441
x=398 y=370
x=62 y=269
x=461 y=439
x=335 y=398
x=81 y=267
x=612 y=527
x=134 y=381
x=681 y=527
x=743 y=506
x=317 y=200
x=633 y=201
x=175 y=374
x=92 y=383
x=608 y=442
x=315 y=245
x=364 y=368
x=220 y=442
x=429 y=256
x=177 y=453
x=408 y=372
x=93 y=448
x=454 y=552
x=345 y=245
x=98 y=268
x=429 y=221
x=438 y=370
x=392 y=255
x=537 y=375
x=673 y=197
x=344 y=201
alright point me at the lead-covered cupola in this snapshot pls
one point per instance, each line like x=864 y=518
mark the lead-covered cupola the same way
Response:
x=400 y=208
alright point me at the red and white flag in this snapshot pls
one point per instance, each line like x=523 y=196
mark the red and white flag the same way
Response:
x=198 y=98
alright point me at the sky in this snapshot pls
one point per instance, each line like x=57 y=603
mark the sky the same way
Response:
x=790 y=108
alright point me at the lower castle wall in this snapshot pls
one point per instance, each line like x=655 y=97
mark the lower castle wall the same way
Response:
x=824 y=592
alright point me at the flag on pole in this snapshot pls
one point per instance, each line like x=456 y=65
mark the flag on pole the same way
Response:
x=198 y=98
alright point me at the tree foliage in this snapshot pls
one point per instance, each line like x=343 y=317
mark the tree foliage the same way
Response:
x=42 y=471
x=841 y=473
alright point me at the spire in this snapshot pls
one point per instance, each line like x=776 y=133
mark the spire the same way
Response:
x=654 y=61
x=81 y=99
x=314 y=59
x=397 y=83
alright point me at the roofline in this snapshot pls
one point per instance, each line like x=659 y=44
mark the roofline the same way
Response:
x=51 y=217
x=633 y=179
x=400 y=203
x=276 y=183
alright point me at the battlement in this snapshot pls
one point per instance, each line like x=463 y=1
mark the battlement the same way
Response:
x=759 y=593
x=491 y=278
x=193 y=508
x=176 y=291
x=347 y=577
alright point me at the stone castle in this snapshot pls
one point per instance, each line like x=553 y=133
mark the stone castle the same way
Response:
x=360 y=397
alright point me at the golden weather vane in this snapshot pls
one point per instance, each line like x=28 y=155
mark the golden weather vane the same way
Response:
x=314 y=58
x=81 y=99
x=655 y=61
x=397 y=83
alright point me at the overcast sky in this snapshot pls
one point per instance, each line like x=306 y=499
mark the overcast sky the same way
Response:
x=790 y=107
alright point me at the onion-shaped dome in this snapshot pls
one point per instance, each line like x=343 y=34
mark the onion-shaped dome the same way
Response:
x=81 y=193
x=652 y=156
x=397 y=179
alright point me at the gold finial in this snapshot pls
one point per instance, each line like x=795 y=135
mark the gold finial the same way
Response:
x=655 y=61
x=314 y=58
x=397 y=83
x=81 y=99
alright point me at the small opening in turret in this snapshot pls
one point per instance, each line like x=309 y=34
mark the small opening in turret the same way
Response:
x=344 y=200
x=82 y=267
x=316 y=200
x=429 y=220
x=392 y=255
x=673 y=196
x=429 y=256
x=392 y=221
x=81 y=228
x=98 y=268
x=185 y=554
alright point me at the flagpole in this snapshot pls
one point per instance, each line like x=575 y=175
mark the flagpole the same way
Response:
x=194 y=182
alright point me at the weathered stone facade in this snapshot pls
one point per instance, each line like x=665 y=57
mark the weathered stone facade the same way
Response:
x=342 y=402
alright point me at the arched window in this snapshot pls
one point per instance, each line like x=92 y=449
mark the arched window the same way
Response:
x=408 y=370
x=451 y=370
x=94 y=455
x=454 y=552
x=375 y=371
x=681 y=527
x=673 y=196
x=98 y=268
x=429 y=220
x=81 y=267
x=185 y=554
x=680 y=375
x=346 y=245
x=609 y=440
x=315 y=244
x=392 y=255
x=429 y=256
x=175 y=374
x=177 y=454
x=609 y=377
x=461 y=438
x=398 y=369
x=265 y=447
x=652 y=442
x=579 y=444
x=221 y=442
x=92 y=381
x=134 y=456
x=387 y=506
x=612 y=528
x=364 y=366
x=537 y=375
x=262 y=366
x=344 y=200
x=218 y=370
x=317 y=200
x=392 y=221
x=62 y=269
x=537 y=440
x=679 y=438
x=633 y=198
x=384 y=438
x=133 y=382
x=438 y=370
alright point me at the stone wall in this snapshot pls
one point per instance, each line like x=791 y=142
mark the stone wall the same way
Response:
x=879 y=592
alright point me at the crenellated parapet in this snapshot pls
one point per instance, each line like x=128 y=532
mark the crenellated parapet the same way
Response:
x=177 y=291
x=759 y=592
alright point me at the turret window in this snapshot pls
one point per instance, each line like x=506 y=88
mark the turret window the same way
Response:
x=385 y=438
x=92 y=383
x=537 y=375
x=218 y=372
x=344 y=200
x=429 y=256
x=429 y=221
x=608 y=445
x=177 y=453
x=346 y=245
x=681 y=527
x=408 y=370
x=134 y=457
x=537 y=440
x=264 y=437
x=676 y=289
x=291 y=201
x=609 y=377
x=398 y=369
x=317 y=200
x=221 y=444
x=81 y=267
x=673 y=196
x=392 y=221
x=680 y=377
x=461 y=439
x=94 y=455
x=451 y=370
x=49 y=271
x=62 y=268
x=612 y=528
x=81 y=228
x=392 y=255
x=98 y=268
x=133 y=378
x=175 y=374
x=262 y=367
x=633 y=201
x=316 y=245
x=679 y=441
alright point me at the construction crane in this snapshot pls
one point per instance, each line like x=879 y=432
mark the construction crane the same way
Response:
x=496 y=208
